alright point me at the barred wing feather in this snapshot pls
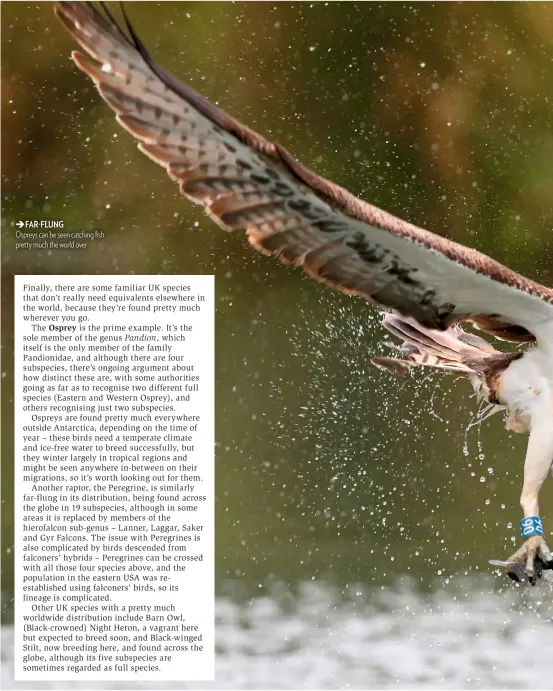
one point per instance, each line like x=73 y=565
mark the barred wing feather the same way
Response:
x=246 y=181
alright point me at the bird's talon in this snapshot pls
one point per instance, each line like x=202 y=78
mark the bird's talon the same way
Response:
x=529 y=562
x=547 y=559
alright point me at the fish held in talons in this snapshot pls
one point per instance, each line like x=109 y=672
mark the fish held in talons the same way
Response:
x=528 y=563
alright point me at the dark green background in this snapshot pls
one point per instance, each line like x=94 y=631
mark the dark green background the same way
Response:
x=440 y=113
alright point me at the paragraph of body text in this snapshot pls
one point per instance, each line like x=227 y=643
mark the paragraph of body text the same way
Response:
x=114 y=527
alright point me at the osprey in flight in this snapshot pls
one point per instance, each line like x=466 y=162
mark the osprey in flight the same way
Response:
x=429 y=285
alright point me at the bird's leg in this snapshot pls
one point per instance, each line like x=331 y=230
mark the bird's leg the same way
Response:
x=534 y=556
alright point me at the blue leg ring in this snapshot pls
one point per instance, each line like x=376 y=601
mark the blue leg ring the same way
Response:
x=530 y=526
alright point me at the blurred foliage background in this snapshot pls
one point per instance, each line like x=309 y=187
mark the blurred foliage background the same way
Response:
x=439 y=112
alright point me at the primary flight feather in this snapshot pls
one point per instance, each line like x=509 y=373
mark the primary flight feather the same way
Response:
x=430 y=284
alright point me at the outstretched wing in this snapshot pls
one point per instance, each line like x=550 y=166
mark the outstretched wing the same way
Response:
x=245 y=181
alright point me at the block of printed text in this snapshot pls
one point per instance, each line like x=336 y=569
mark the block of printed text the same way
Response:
x=114 y=485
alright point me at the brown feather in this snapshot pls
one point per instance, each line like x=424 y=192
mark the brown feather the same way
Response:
x=246 y=181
